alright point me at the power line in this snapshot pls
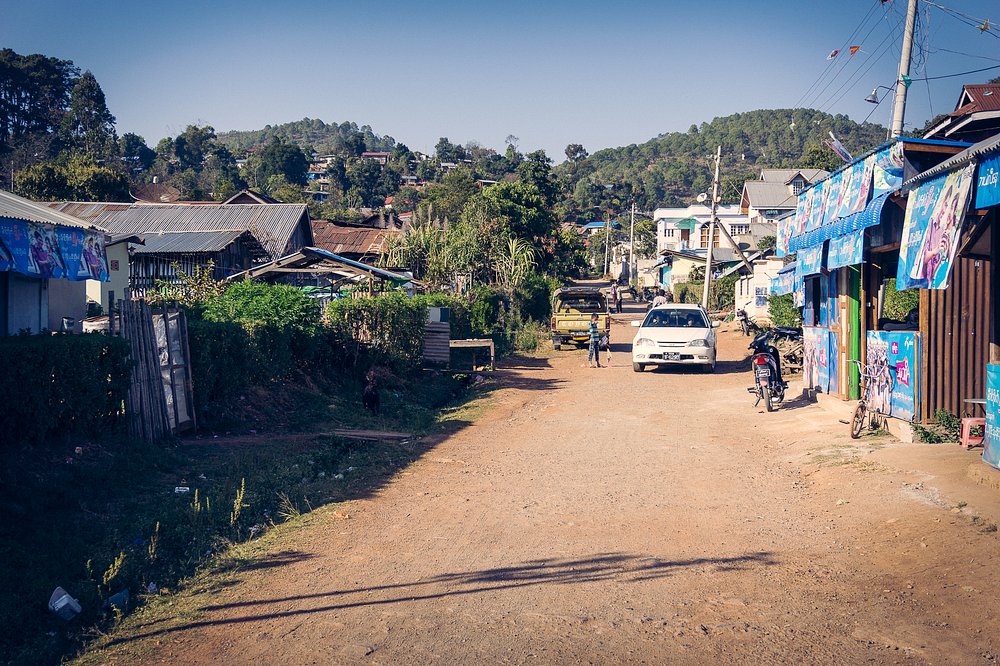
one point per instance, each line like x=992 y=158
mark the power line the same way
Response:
x=983 y=25
x=830 y=64
x=880 y=52
x=970 y=55
x=844 y=64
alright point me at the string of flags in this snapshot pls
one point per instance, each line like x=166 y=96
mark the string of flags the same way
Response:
x=836 y=52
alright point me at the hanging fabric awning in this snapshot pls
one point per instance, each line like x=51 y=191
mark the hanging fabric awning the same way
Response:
x=869 y=217
x=809 y=261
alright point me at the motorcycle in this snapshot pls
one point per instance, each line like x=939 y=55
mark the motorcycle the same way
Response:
x=791 y=350
x=747 y=324
x=768 y=383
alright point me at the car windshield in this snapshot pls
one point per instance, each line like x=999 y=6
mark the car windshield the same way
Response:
x=675 y=318
x=581 y=304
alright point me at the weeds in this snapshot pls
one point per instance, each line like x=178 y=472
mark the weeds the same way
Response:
x=945 y=428
x=238 y=503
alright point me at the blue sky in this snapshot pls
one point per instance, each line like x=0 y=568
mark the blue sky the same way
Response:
x=551 y=72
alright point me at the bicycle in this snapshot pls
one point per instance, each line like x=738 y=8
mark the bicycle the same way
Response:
x=863 y=412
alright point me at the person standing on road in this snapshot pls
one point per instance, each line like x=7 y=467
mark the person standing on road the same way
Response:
x=618 y=301
x=614 y=297
x=660 y=299
x=594 y=353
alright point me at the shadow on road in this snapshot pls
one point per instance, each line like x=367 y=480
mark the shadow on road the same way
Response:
x=618 y=567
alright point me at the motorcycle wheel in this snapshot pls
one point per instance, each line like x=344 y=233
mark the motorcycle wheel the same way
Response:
x=858 y=420
x=767 y=402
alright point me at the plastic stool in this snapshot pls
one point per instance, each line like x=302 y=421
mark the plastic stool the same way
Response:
x=968 y=441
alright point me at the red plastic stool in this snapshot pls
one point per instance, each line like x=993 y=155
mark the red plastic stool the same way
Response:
x=968 y=441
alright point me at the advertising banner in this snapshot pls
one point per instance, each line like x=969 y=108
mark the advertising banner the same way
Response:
x=5 y=259
x=83 y=254
x=819 y=364
x=834 y=198
x=817 y=206
x=856 y=186
x=935 y=211
x=50 y=251
x=846 y=250
x=892 y=359
x=991 y=442
x=809 y=261
x=887 y=169
x=987 y=185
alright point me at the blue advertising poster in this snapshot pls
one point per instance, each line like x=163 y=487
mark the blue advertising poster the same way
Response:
x=817 y=206
x=83 y=254
x=987 y=186
x=887 y=169
x=991 y=442
x=48 y=251
x=809 y=261
x=834 y=198
x=846 y=250
x=892 y=359
x=34 y=248
x=857 y=185
x=931 y=229
x=820 y=359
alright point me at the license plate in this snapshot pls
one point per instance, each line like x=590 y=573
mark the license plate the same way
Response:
x=672 y=356
x=763 y=372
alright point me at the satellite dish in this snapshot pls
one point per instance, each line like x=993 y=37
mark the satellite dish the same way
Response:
x=701 y=197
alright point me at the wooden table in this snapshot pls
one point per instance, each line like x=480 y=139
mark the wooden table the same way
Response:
x=476 y=343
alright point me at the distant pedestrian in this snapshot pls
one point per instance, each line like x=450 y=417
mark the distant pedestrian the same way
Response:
x=618 y=301
x=660 y=299
x=614 y=296
x=594 y=353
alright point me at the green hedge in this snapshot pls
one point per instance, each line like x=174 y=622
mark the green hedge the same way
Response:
x=390 y=327
x=58 y=386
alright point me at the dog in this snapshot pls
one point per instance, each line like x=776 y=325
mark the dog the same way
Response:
x=369 y=394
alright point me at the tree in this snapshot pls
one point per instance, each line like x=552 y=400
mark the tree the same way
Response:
x=81 y=179
x=576 y=152
x=136 y=155
x=283 y=159
x=512 y=265
x=537 y=170
x=192 y=146
x=820 y=157
x=451 y=196
x=34 y=95
x=767 y=243
x=88 y=127
x=446 y=151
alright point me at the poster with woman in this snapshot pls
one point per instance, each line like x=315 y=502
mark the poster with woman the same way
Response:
x=83 y=254
x=931 y=229
x=834 y=198
x=43 y=257
x=816 y=206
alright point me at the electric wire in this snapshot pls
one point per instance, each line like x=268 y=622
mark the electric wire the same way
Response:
x=877 y=56
x=830 y=64
x=819 y=95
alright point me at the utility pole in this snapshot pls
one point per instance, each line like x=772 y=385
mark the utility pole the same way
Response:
x=711 y=229
x=899 y=102
x=631 y=247
x=607 y=242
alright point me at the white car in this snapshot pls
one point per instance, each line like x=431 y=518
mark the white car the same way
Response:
x=675 y=334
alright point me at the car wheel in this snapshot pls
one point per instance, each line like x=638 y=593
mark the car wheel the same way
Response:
x=638 y=367
x=708 y=369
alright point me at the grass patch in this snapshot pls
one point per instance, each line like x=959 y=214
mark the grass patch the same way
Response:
x=106 y=517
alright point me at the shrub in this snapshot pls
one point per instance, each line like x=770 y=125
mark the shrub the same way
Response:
x=389 y=326
x=258 y=304
x=61 y=385
x=783 y=311
x=899 y=303
x=946 y=428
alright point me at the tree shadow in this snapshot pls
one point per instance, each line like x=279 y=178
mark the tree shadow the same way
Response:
x=623 y=568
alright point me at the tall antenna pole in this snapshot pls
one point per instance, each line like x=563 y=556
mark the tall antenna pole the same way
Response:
x=631 y=247
x=711 y=229
x=607 y=243
x=899 y=104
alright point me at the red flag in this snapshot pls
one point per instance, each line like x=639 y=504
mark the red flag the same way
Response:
x=855 y=49
x=833 y=54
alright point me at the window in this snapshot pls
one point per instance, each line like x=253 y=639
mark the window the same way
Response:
x=668 y=232
x=704 y=238
x=797 y=185
x=675 y=318
x=739 y=229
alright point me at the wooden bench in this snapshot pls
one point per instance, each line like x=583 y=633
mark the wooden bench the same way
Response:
x=477 y=343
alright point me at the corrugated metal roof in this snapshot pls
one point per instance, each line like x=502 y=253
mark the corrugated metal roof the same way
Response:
x=767 y=194
x=272 y=224
x=786 y=175
x=20 y=208
x=188 y=242
x=955 y=161
x=349 y=240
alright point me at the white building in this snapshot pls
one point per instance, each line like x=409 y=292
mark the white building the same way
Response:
x=686 y=229
x=752 y=290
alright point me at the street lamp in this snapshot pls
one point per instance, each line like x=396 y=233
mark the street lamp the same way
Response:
x=873 y=98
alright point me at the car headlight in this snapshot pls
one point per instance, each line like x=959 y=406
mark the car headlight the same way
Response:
x=644 y=342
x=698 y=343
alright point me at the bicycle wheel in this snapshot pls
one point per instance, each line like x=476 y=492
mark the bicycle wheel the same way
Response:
x=858 y=420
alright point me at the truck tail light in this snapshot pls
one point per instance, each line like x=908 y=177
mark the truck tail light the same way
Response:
x=552 y=323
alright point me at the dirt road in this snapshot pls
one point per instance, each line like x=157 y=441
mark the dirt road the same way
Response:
x=604 y=516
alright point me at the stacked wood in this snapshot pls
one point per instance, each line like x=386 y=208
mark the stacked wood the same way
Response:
x=145 y=404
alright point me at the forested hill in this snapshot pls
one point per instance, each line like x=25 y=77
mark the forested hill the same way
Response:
x=673 y=167
x=311 y=133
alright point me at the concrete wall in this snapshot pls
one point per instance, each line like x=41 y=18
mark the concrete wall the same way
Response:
x=66 y=299
x=752 y=291
x=118 y=282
